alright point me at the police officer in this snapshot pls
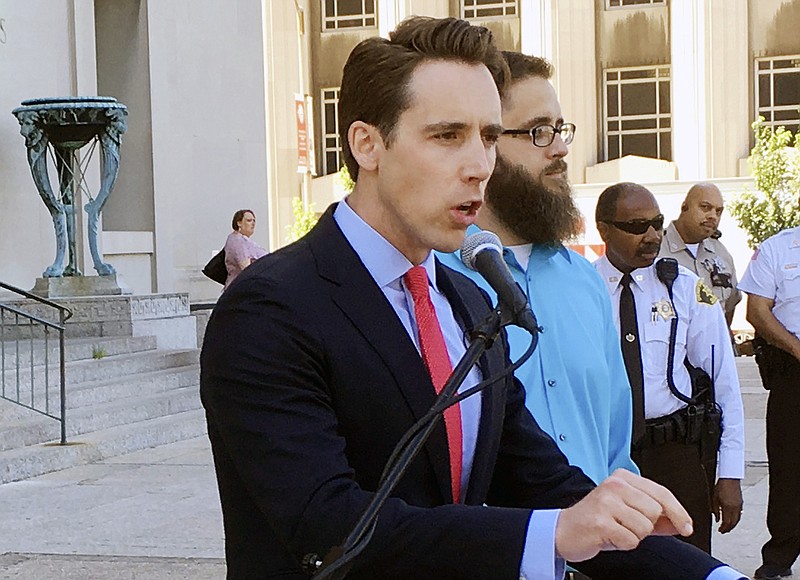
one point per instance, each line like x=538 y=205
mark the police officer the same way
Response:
x=772 y=283
x=690 y=240
x=671 y=445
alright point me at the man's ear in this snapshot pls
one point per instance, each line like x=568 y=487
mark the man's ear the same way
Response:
x=684 y=207
x=365 y=143
x=602 y=228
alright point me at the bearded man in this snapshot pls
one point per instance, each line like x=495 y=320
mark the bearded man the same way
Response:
x=575 y=381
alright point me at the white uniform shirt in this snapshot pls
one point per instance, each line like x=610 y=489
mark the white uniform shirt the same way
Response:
x=774 y=273
x=701 y=324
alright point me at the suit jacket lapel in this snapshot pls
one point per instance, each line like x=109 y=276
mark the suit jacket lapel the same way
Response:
x=361 y=300
x=470 y=310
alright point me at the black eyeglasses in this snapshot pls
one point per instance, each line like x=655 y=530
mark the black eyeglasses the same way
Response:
x=639 y=227
x=544 y=135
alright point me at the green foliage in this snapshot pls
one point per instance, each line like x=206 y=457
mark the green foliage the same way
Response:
x=304 y=219
x=345 y=179
x=775 y=205
x=99 y=352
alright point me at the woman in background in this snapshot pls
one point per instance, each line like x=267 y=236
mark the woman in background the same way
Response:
x=240 y=250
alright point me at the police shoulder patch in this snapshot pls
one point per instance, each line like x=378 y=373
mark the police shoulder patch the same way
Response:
x=704 y=294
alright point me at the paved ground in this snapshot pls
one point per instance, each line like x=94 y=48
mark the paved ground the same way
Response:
x=148 y=515
x=155 y=514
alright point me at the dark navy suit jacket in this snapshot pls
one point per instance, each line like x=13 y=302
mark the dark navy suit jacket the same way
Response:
x=309 y=380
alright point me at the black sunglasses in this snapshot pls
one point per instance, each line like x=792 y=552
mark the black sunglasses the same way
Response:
x=639 y=227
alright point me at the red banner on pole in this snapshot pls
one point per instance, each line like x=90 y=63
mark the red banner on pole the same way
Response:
x=302 y=133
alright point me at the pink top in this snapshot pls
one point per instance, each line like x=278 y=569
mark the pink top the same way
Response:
x=239 y=248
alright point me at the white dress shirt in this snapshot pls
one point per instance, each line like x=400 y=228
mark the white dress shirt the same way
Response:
x=701 y=326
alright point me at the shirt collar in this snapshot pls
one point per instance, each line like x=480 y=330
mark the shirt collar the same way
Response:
x=612 y=276
x=385 y=263
x=676 y=243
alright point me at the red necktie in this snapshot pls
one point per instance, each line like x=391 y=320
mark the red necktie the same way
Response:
x=434 y=353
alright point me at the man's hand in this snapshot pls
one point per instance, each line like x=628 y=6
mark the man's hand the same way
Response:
x=727 y=503
x=617 y=515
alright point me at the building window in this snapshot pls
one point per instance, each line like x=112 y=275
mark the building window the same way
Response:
x=332 y=146
x=778 y=91
x=488 y=8
x=623 y=3
x=637 y=113
x=337 y=14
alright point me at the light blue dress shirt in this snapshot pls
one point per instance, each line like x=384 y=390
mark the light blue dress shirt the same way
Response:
x=387 y=266
x=575 y=382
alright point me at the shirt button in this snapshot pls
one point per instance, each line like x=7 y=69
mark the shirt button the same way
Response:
x=551 y=383
x=562 y=437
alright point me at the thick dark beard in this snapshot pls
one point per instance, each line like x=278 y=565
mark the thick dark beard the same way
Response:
x=530 y=210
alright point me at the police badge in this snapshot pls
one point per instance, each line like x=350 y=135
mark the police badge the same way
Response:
x=703 y=294
x=664 y=309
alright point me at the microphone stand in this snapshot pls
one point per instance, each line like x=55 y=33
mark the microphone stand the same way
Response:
x=338 y=561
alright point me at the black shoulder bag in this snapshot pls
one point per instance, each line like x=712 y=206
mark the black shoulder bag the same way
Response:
x=216 y=268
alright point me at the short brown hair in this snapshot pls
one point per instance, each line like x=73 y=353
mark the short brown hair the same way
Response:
x=378 y=71
x=238 y=217
x=522 y=66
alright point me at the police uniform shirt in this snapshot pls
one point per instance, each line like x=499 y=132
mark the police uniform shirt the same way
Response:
x=701 y=324
x=774 y=273
x=711 y=262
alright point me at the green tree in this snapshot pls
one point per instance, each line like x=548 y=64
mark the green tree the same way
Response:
x=345 y=179
x=304 y=219
x=775 y=205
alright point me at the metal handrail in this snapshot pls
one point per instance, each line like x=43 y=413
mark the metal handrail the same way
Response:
x=45 y=301
x=64 y=314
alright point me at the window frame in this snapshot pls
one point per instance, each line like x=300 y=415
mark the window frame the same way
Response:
x=331 y=23
x=503 y=5
x=622 y=6
x=768 y=111
x=661 y=73
x=325 y=101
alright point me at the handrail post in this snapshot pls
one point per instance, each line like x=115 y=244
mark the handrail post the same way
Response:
x=64 y=314
x=63 y=380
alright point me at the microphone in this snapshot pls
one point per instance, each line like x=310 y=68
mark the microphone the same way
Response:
x=483 y=252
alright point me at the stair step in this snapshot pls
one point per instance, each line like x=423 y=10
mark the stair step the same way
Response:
x=30 y=461
x=105 y=390
x=36 y=428
x=110 y=367
x=74 y=349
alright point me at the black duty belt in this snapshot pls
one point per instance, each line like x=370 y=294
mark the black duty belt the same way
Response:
x=670 y=428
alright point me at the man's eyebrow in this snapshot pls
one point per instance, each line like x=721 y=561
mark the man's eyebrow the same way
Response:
x=493 y=129
x=541 y=120
x=445 y=126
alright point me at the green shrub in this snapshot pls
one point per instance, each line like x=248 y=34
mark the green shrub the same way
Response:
x=775 y=205
x=304 y=219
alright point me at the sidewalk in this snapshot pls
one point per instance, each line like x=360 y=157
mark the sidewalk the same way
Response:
x=155 y=514
x=148 y=515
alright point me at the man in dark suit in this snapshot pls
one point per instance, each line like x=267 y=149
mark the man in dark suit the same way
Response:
x=320 y=356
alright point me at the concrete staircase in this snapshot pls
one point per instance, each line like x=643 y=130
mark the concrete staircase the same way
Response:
x=123 y=394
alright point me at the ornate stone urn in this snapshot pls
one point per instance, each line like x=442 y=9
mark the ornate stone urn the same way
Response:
x=67 y=124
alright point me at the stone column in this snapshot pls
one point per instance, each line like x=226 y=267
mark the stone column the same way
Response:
x=689 y=62
x=536 y=27
x=729 y=76
x=576 y=79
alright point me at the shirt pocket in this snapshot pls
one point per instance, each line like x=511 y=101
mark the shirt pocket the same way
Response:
x=656 y=346
x=789 y=287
